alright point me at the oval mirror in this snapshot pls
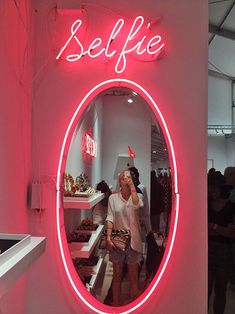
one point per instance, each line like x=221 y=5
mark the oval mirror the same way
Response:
x=118 y=130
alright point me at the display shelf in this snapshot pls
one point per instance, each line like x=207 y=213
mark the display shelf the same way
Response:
x=124 y=155
x=78 y=245
x=77 y=202
x=94 y=277
x=16 y=260
x=10 y=244
x=85 y=250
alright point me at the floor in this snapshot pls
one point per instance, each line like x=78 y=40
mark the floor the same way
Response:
x=103 y=287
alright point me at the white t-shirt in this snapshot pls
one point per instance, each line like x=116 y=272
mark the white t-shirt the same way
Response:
x=125 y=215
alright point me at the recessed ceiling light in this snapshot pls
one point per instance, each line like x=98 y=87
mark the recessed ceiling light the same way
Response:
x=130 y=100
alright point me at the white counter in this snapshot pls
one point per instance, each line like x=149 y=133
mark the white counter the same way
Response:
x=15 y=261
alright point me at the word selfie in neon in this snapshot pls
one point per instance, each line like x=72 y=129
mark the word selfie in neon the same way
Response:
x=137 y=41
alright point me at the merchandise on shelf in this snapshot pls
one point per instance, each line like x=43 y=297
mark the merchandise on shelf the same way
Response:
x=86 y=268
x=87 y=224
x=79 y=187
x=82 y=181
x=78 y=237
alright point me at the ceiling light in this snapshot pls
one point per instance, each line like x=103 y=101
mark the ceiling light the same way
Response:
x=130 y=100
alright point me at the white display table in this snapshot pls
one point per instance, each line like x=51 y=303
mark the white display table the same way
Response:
x=86 y=203
x=17 y=259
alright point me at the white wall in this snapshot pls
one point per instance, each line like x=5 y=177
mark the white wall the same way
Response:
x=217 y=151
x=15 y=136
x=126 y=124
x=221 y=150
x=219 y=101
x=230 y=151
x=77 y=160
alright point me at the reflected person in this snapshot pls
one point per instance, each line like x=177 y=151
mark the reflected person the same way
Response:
x=123 y=214
x=221 y=219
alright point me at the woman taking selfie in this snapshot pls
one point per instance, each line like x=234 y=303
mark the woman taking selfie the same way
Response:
x=123 y=220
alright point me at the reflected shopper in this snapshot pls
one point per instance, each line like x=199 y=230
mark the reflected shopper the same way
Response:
x=221 y=219
x=123 y=217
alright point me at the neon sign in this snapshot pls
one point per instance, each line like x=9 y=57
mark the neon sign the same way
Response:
x=90 y=147
x=138 y=41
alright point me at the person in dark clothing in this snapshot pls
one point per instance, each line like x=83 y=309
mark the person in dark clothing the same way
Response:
x=156 y=201
x=229 y=174
x=211 y=170
x=221 y=219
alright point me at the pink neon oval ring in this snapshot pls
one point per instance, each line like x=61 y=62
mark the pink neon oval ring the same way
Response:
x=76 y=283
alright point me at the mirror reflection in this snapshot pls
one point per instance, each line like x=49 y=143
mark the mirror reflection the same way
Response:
x=117 y=196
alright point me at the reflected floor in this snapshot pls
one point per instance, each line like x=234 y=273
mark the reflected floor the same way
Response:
x=102 y=290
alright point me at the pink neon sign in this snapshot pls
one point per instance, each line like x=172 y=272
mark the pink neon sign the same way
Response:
x=90 y=146
x=137 y=41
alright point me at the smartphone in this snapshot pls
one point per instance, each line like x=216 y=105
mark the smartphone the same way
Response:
x=127 y=174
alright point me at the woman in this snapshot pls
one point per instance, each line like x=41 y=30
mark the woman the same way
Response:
x=123 y=214
x=221 y=219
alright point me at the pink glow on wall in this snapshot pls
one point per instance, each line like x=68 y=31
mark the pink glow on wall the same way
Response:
x=76 y=284
x=138 y=41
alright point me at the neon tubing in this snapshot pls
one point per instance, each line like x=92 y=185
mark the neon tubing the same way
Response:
x=152 y=46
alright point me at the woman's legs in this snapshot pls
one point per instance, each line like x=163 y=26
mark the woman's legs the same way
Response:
x=221 y=281
x=116 y=283
x=210 y=285
x=134 y=282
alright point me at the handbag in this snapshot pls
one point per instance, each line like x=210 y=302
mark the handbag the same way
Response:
x=120 y=239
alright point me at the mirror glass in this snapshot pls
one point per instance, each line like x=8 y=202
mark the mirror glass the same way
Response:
x=117 y=131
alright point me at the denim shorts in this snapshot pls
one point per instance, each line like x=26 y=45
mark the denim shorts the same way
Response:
x=128 y=256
